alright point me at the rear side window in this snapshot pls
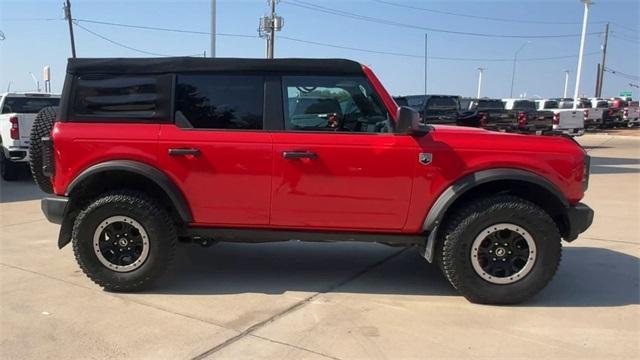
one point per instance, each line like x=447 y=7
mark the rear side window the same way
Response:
x=27 y=105
x=551 y=105
x=490 y=104
x=121 y=97
x=220 y=101
x=524 y=105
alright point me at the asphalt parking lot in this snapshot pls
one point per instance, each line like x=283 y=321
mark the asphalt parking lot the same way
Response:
x=339 y=301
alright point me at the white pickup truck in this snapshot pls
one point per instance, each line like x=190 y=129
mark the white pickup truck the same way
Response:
x=631 y=114
x=565 y=119
x=18 y=112
x=595 y=111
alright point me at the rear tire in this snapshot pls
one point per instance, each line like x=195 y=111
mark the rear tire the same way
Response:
x=42 y=126
x=9 y=170
x=124 y=241
x=494 y=278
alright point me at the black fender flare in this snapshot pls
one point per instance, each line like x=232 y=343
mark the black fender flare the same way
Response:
x=456 y=190
x=158 y=177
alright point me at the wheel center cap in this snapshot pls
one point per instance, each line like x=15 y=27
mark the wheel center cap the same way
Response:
x=500 y=252
x=123 y=242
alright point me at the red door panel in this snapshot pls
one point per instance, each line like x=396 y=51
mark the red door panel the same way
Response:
x=352 y=181
x=229 y=182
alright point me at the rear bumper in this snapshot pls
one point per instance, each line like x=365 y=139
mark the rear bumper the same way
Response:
x=17 y=153
x=579 y=218
x=54 y=208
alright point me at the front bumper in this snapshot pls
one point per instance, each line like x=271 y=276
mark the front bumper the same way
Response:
x=54 y=208
x=579 y=218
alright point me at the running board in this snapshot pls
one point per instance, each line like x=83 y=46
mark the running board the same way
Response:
x=270 y=235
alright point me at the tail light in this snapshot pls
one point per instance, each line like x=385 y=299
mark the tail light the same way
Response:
x=15 y=128
x=522 y=120
x=610 y=112
x=483 y=119
x=586 y=115
x=556 y=118
x=626 y=112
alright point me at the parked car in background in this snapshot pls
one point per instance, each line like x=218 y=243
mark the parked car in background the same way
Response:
x=631 y=114
x=415 y=102
x=616 y=112
x=132 y=177
x=441 y=109
x=598 y=116
x=565 y=118
x=18 y=112
x=526 y=117
x=593 y=116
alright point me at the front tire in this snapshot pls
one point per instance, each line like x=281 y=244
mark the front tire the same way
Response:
x=124 y=241
x=500 y=250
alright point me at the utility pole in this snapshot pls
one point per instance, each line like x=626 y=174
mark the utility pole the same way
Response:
x=566 y=83
x=268 y=27
x=480 y=70
x=513 y=71
x=425 y=63
x=602 y=62
x=597 y=80
x=67 y=16
x=213 y=28
x=585 y=19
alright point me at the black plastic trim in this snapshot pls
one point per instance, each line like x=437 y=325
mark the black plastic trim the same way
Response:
x=273 y=112
x=456 y=190
x=54 y=208
x=270 y=235
x=579 y=218
x=155 y=175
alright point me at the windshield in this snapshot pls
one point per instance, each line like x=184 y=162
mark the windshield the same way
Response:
x=524 y=105
x=442 y=104
x=490 y=104
x=27 y=105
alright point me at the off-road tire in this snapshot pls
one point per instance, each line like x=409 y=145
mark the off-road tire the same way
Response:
x=9 y=170
x=465 y=225
x=42 y=126
x=148 y=213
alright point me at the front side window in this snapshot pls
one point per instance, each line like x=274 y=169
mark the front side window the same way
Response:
x=220 y=101
x=332 y=103
x=120 y=96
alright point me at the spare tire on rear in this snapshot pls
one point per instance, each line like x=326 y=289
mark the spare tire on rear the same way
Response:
x=42 y=126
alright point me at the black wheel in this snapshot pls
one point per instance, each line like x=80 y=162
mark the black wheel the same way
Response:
x=500 y=250
x=42 y=126
x=123 y=241
x=9 y=170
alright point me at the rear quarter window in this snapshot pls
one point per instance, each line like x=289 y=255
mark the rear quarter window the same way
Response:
x=121 y=98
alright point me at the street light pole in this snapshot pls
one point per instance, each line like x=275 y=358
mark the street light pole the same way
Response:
x=513 y=71
x=480 y=70
x=566 y=83
x=585 y=19
x=213 y=28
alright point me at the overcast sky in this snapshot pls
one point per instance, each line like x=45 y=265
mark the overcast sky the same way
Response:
x=32 y=42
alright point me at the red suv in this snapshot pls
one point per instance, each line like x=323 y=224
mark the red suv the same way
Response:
x=146 y=152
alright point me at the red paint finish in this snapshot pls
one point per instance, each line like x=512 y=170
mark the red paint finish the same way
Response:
x=77 y=146
x=357 y=181
x=229 y=184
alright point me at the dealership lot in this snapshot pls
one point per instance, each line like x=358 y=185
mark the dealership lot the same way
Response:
x=341 y=301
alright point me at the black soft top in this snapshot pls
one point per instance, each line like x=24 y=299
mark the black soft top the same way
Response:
x=192 y=64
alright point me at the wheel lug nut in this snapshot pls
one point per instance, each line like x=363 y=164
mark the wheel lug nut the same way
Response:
x=490 y=251
x=504 y=260
x=509 y=252
x=505 y=244
x=496 y=244
x=494 y=259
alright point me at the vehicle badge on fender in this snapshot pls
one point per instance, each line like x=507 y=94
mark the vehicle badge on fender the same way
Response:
x=425 y=158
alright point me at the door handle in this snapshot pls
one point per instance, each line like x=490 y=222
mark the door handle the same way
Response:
x=184 y=152
x=299 y=155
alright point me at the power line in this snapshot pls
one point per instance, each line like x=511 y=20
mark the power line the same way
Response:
x=621 y=74
x=625 y=38
x=478 y=17
x=317 y=43
x=118 y=43
x=430 y=57
x=351 y=15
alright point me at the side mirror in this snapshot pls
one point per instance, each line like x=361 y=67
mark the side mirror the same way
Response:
x=408 y=122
